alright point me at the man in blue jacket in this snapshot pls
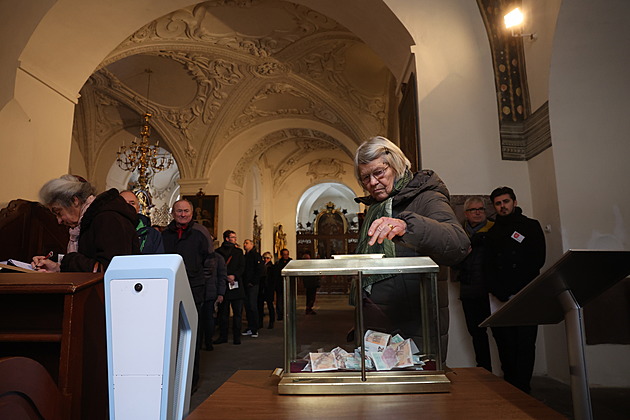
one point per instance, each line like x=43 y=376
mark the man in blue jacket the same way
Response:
x=150 y=239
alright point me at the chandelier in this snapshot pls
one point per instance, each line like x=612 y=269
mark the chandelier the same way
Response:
x=140 y=155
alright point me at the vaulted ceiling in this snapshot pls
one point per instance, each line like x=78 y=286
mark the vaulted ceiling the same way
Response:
x=266 y=82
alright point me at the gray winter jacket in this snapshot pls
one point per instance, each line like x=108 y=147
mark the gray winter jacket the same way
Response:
x=432 y=230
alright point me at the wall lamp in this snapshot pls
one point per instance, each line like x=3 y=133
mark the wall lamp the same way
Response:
x=514 y=21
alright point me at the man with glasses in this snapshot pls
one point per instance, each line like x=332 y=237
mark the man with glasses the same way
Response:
x=515 y=253
x=473 y=285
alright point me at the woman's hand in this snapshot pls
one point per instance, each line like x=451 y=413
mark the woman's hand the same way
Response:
x=41 y=263
x=386 y=227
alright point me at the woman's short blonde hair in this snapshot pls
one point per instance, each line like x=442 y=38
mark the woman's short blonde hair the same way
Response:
x=62 y=191
x=380 y=147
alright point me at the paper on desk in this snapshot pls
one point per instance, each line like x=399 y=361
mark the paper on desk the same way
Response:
x=20 y=264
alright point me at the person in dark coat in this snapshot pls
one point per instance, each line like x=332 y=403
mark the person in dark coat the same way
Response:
x=266 y=292
x=408 y=215
x=311 y=284
x=515 y=253
x=101 y=227
x=183 y=236
x=473 y=291
x=251 y=278
x=279 y=281
x=214 y=293
x=235 y=292
x=150 y=239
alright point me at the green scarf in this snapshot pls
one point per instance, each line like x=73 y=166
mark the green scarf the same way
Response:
x=376 y=211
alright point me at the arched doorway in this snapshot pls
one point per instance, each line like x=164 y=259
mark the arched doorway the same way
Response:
x=326 y=225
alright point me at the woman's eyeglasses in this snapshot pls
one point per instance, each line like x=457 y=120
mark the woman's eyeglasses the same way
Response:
x=477 y=209
x=378 y=174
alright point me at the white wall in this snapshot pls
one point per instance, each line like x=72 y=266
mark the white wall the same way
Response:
x=459 y=129
x=545 y=210
x=35 y=139
x=589 y=111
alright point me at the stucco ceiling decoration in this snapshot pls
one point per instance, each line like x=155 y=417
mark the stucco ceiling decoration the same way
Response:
x=220 y=68
x=325 y=169
x=328 y=67
x=282 y=99
x=234 y=26
x=111 y=105
x=283 y=150
x=298 y=23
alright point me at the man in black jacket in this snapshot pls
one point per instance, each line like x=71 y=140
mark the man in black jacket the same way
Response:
x=515 y=254
x=234 y=294
x=279 y=282
x=185 y=237
x=251 y=278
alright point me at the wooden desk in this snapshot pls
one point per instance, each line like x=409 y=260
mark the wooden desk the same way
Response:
x=476 y=394
x=58 y=319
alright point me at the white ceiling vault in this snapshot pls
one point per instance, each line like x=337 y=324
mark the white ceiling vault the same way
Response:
x=250 y=82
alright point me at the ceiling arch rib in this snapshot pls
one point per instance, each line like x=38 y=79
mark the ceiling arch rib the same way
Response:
x=112 y=93
x=297 y=147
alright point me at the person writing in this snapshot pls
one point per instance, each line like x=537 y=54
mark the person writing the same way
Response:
x=408 y=215
x=101 y=226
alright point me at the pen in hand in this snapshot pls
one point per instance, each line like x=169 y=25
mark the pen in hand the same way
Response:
x=39 y=260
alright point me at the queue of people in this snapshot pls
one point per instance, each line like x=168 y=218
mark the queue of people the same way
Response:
x=408 y=214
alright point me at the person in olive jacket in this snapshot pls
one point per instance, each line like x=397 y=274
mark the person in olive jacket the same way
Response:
x=515 y=253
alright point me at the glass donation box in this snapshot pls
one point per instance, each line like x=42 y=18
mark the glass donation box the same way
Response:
x=382 y=340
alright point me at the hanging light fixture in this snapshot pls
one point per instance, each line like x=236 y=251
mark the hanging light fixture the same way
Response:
x=143 y=157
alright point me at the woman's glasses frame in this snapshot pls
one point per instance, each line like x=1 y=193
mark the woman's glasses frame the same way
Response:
x=378 y=174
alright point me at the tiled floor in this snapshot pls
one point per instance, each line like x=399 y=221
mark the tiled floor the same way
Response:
x=266 y=352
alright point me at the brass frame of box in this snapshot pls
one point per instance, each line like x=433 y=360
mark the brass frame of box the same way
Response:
x=363 y=381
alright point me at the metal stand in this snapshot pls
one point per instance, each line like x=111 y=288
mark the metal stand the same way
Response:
x=559 y=294
x=574 y=327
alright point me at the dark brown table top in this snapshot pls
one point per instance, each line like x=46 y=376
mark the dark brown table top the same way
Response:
x=475 y=394
x=47 y=282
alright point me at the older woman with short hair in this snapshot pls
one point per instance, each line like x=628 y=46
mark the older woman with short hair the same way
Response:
x=408 y=215
x=101 y=227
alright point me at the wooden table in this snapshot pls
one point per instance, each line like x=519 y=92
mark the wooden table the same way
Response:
x=475 y=394
x=58 y=319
